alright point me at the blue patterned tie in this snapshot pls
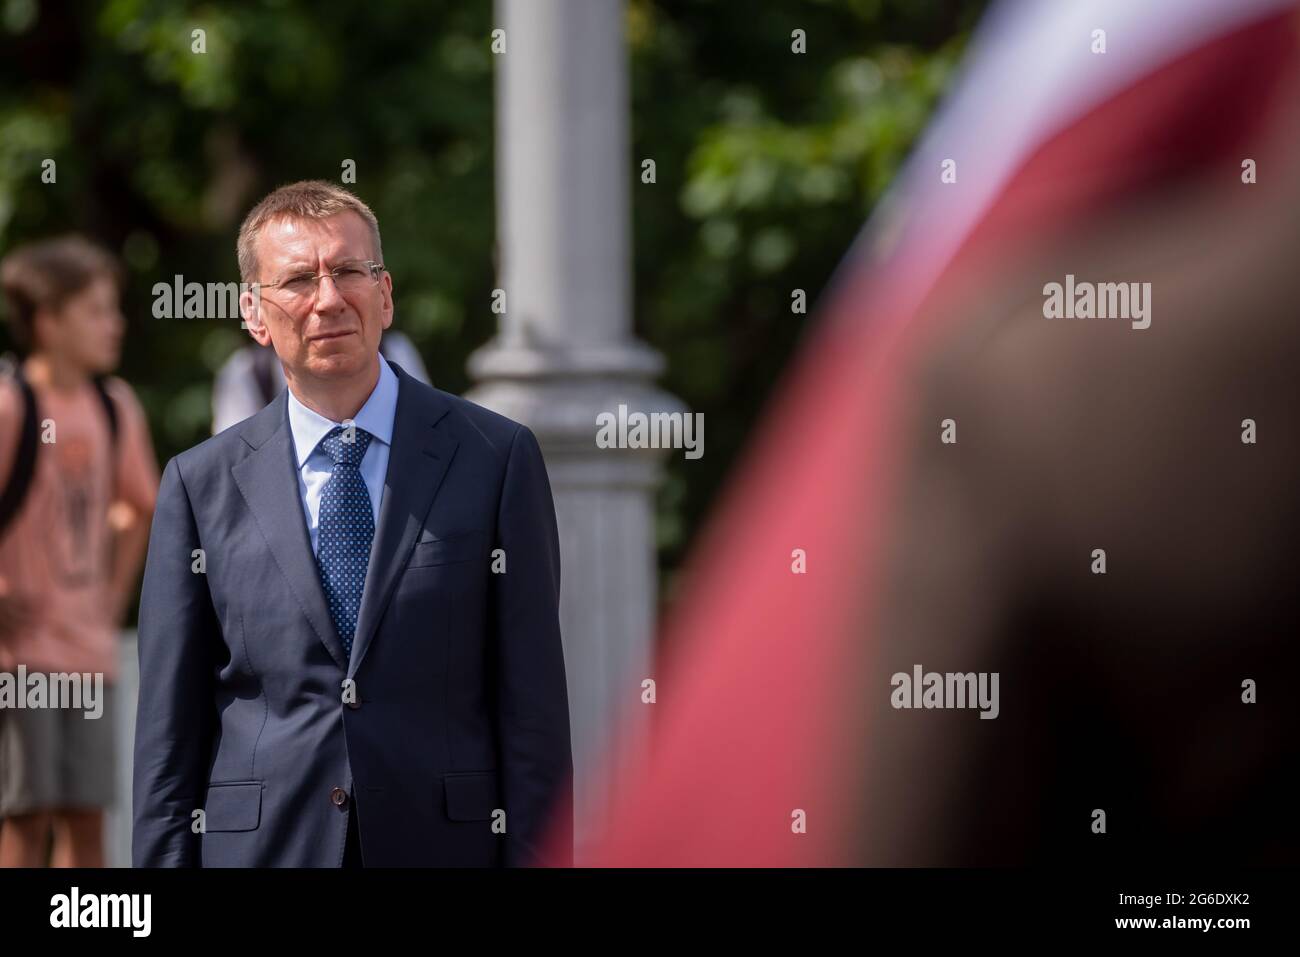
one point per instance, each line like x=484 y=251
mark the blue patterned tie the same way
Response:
x=345 y=531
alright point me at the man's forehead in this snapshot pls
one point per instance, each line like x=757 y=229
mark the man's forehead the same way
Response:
x=288 y=238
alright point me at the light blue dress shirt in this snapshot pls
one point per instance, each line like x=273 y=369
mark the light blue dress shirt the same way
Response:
x=315 y=467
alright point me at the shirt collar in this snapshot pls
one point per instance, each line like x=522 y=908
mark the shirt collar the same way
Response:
x=376 y=416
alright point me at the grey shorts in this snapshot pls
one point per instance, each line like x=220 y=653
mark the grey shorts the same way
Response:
x=52 y=758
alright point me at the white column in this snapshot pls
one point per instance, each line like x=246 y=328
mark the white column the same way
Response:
x=565 y=352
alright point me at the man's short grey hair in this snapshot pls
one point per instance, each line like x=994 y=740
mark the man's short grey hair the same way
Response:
x=307 y=199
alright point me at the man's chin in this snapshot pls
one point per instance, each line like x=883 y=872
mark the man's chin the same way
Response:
x=338 y=362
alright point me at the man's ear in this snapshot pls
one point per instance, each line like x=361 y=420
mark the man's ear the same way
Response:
x=386 y=290
x=250 y=308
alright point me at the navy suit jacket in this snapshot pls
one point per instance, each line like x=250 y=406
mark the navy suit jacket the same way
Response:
x=460 y=723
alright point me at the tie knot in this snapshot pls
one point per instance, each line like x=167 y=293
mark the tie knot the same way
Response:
x=346 y=446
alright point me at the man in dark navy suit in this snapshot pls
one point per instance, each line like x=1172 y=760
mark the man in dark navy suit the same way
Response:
x=349 y=633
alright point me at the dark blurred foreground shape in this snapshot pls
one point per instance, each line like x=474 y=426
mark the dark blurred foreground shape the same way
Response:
x=1120 y=691
x=776 y=741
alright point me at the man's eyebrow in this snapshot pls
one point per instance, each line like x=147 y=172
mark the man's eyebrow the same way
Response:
x=303 y=265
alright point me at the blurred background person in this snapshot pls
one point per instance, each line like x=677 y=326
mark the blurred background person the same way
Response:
x=78 y=475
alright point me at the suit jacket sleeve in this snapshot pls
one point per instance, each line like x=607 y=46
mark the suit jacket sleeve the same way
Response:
x=532 y=695
x=175 y=719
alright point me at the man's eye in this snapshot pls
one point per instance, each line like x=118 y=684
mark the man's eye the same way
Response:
x=298 y=282
x=349 y=272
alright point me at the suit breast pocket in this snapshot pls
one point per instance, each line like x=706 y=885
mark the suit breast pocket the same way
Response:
x=461 y=547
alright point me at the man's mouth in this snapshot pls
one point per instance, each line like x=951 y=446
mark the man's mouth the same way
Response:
x=330 y=335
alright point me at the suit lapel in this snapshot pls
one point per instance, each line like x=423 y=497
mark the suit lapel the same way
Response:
x=268 y=480
x=418 y=460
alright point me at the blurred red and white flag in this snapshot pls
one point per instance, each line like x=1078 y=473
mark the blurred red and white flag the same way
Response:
x=757 y=703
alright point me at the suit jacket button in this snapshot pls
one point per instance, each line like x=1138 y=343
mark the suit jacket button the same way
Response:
x=339 y=798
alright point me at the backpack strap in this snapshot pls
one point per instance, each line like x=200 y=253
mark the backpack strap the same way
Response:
x=110 y=413
x=110 y=408
x=24 y=467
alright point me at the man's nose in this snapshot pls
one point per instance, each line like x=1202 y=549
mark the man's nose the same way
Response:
x=327 y=294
